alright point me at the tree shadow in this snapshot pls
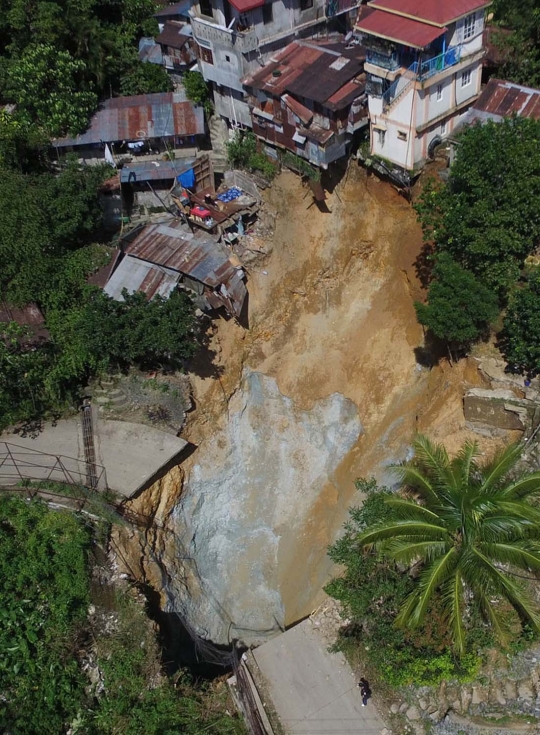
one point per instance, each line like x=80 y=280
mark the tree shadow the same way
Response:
x=423 y=265
x=431 y=352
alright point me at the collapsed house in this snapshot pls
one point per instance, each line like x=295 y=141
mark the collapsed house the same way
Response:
x=309 y=99
x=163 y=256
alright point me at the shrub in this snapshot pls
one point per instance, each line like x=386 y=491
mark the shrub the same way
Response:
x=242 y=153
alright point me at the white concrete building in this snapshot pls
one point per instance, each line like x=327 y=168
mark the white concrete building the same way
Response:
x=424 y=64
x=237 y=36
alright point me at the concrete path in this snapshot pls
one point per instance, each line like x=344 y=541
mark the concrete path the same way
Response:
x=313 y=692
x=132 y=454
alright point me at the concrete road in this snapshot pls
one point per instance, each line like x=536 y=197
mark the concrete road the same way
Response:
x=313 y=692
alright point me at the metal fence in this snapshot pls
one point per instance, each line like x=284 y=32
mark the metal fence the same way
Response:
x=19 y=463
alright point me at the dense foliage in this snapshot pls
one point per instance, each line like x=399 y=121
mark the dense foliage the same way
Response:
x=372 y=590
x=95 y=335
x=485 y=221
x=44 y=587
x=520 y=336
x=518 y=40
x=197 y=90
x=242 y=153
x=460 y=308
x=445 y=561
x=46 y=633
x=57 y=58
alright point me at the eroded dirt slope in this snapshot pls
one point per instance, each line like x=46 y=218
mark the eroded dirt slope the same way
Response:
x=331 y=312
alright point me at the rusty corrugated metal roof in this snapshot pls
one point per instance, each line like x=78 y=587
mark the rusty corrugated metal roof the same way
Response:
x=139 y=117
x=171 y=246
x=174 y=34
x=137 y=275
x=309 y=70
x=504 y=99
x=196 y=255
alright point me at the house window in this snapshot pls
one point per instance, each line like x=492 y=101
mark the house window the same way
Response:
x=466 y=77
x=381 y=135
x=439 y=92
x=306 y=4
x=443 y=128
x=278 y=127
x=469 y=26
x=207 y=55
x=268 y=14
x=227 y=58
x=206 y=8
x=401 y=135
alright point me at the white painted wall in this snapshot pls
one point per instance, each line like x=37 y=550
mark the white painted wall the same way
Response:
x=464 y=92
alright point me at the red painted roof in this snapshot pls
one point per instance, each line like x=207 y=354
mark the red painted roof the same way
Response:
x=396 y=28
x=243 y=5
x=507 y=99
x=437 y=12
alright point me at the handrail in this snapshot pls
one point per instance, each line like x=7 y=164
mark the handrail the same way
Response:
x=439 y=63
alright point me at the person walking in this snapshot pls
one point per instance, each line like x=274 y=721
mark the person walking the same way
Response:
x=365 y=690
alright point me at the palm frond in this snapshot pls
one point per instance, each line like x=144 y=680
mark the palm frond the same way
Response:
x=505 y=528
x=431 y=578
x=453 y=601
x=464 y=462
x=406 y=551
x=397 y=529
x=524 y=487
x=495 y=471
x=407 y=610
x=518 y=509
x=521 y=554
x=496 y=620
x=434 y=461
x=410 y=510
x=518 y=597
x=412 y=477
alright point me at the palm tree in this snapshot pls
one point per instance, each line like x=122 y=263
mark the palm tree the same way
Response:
x=472 y=530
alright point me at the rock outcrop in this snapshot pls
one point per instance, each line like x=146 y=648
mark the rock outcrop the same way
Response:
x=243 y=511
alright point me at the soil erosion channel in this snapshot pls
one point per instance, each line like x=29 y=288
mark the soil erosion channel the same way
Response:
x=323 y=388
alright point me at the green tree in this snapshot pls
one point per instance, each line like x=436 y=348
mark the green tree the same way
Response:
x=487 y=216
x=519 y=340
x=519 y=40
x=468 y=526
x=145 y=78
x=197 y=90
x=460 y=308
x=371 y=590
x=45 y=83
x=101 y=334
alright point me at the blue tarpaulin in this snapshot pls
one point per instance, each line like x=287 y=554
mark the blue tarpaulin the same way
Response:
x=228 y=196
x=187 y=179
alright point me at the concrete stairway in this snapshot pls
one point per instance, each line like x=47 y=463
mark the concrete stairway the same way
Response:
x=219 y=136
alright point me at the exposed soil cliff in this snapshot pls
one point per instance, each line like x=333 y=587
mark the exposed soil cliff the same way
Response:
x=323 y=388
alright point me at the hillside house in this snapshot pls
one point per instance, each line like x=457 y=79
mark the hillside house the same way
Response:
x=235 y=37
x=309 y=99
x=177 y=46
x=423 y=60
x=138 y=125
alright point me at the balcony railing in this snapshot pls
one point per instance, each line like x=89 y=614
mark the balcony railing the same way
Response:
x=243 y=41
x=390 y=61
x=424 y=69
x=438 y=63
